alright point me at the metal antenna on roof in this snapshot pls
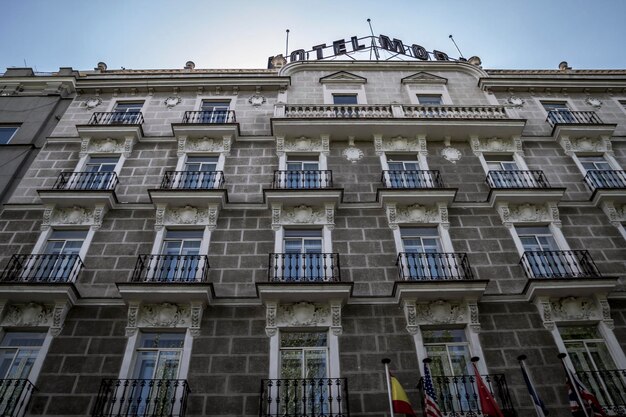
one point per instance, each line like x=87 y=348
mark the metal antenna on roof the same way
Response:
x=369 y=21
x=287 y=44
x=457 y=48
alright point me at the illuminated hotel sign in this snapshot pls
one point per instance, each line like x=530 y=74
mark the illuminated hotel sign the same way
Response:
x=356 y=44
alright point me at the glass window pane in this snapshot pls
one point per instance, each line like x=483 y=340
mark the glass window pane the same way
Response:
x=128 y=106
x=345 y=99
x=210 y=105
x=291 y=364
x=429 y=99
x=533 y=230
x=579 y=332
x=419 y=231
x=303 y=339
x=554 y=105
x=303 y=233
x=68 y=234
x=6 y=133
x=162 y=340
x=315 y=363
x=184 y=234
x=444 y=336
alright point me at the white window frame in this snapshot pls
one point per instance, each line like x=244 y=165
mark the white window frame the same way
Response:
x=327 y=244
x=444 y=235
x=618 y=102
x=559 y=238
x=606 y=155
x=517 y=158
x=82 y=162
x=33 y=375
x=567 y=101
x=200 y=98
x=328 y=92
x=421 y=159
x=45 y=235
x=16 y=127
x=113 y=103
x=413 y=90
x=162 y=232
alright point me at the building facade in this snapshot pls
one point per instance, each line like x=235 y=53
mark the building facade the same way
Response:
x=254 y=242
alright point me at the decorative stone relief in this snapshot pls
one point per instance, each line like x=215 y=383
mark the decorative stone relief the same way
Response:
x=451 y=154
x=93 y=102
x=353 y=154
x=196 y=318
x=528 y=213
x=56 y=216
x=594 y=102
x=474 y=321
x=106 y=145
x=303 y=144
x=513 y=145
x=410 y=313
x=164 y=315
x=515 y=101
x=441 y=312
x=58 y=318
x=601 y=145
x=545 y=310
x=616 y=215
x=416 y=213
x=171 y=102
x=605 y=312
x=303 y=214
x=133 y=313
x=187 y=215
x=400 y=144
x=572 y=308
x=304 y=314
x=335 y=314
x=270 y=319
x=257 y=100
x=28 y=315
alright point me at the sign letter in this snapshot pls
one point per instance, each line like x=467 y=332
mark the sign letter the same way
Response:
x=339 y=46
x=355 y=44
x=440 y=56
x=318 y=50
x=298 y=55
x=419 y=52
x=395 y=45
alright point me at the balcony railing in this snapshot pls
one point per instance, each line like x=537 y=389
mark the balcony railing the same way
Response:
x=411 y=179
x=311 y=397
x=52 y=268
x=304 y=267
x=142 y=398
x=599 y=178
x=455 y=112
x=116 y=118
x=559 y=264
x=192 y=180
x=362 y=111
x=86 y=181
x=556 y=117
x=433 y=266
x=517 y=179
x=171 y=268
x=14 y=396
x=305 y=180
x=458 y=395
x=209 y=117
x=609 y=387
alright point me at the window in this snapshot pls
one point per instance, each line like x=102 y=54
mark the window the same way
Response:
x=542 y=255
x=100 y=171
x=65 y=242
x=594 y=163
x=18 y=352
x=424 y=258
x=127 y=112
x=7 y=133
x=200 y=173
x=303 y=258
x=429 y=99
x=500 y=175
x=60 y=258
x=558 y=112
x=536 y=238
x=404 y=172
x=214 y=111
x=303 y=172
x=345 y=99
x=180 y=260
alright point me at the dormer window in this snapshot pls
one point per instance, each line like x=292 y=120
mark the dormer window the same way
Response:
x=345 y=99
x=429 y=99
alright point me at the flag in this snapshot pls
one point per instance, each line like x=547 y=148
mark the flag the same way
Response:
x=399 y=399
x=577 y=392
x=488 y=404
x=540 y=407
x=431 y=409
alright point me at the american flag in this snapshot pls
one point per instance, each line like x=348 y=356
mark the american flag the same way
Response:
x=431 y=409
x=590 y=402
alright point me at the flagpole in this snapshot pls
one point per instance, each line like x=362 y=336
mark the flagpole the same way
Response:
x=562 y=356
x=386 y=362
x=521 y=359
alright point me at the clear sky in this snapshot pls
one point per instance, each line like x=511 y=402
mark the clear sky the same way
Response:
x=141 y=34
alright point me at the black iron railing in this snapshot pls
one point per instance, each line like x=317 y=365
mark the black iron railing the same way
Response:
x=411 y=179
x=304 y=267
x=600 y=178
x=557 y=117
x=433 y=266
x=116 y=118
x=141 y=398
x=306 y=179
x=42 y=268
x=559 y=264
x=311 y=397
x=609 y=387
x=171 y=268
x=209 y=117
x=458 y=395
x=192 y=180
x=86 y=181
x=517 y=179
x=14 y=396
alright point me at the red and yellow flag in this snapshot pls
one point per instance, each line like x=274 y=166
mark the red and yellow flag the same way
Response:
x=399 y=399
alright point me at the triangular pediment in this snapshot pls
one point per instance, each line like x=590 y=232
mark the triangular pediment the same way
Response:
x=424 y=78
x=343 y=77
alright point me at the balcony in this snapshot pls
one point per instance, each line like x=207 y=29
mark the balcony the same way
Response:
x=213 y=123
x=364 y=120
x=309 y=397
x=606 y=185
x=142 y=398
x=458 y=395
x=563 y=273
x=168 y=278
x=409 y=187
x=313 y=186
x=196 y=188
x=577 y=124
x=303 y=276
x=521 y=187
x=40 y=278
x=427 y=275
x=115 y=125
x=609 y=387
x=14 y=396
x=82 y=188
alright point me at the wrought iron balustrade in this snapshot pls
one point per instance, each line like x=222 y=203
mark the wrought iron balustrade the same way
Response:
x=609 y=387
x=142 y=398
x=86 y=181
x=339 y=111
x=559 y=264
x=171 y=268
x=458 y=395
x=192 y=180
x=304 y=179
x=517 y=179
x=52 y=268
x=14 y=396
x=411 y=179
x=444 y=111
x=304 y=267
x=116 y=118
x=209 y=117
x=556 y=117
x=600 y=178
x=310 y=397
x=433 y=266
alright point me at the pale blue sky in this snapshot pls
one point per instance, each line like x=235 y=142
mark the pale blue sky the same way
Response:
x=142 y=34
